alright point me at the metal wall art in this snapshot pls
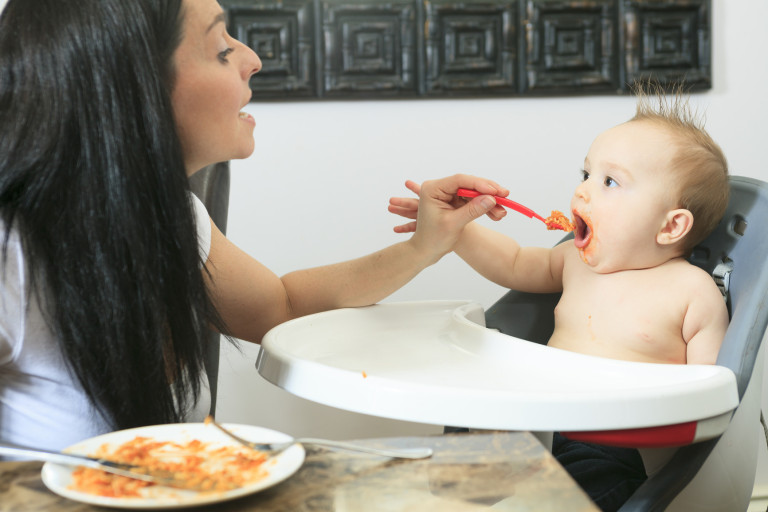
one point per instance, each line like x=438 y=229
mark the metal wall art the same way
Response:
x=314 y=49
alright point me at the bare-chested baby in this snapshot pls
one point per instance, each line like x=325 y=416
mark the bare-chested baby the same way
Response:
x=652 y=189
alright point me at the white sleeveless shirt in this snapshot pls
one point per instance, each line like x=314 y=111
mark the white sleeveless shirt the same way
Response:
x=41 y=403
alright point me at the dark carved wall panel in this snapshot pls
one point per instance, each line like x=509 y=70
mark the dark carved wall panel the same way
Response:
x=314 y=49
x=369 y=47
x=282 y=33
x=471 y=47
x=669 y=40
x=572 y=45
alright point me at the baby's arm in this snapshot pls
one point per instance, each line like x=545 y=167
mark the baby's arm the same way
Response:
x=705 y=323
x=500 y=259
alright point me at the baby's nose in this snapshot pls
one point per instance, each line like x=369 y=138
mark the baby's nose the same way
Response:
x=582 y=192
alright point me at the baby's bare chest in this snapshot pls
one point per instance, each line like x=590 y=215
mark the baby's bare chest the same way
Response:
x=635 y=315
x=641 y=307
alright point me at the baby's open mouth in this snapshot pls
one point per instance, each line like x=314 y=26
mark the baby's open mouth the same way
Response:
x=582 y=232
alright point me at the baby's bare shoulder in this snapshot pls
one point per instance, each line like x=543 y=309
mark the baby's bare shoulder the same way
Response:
x=703 y=295
x=683 y=279
x=694 y=275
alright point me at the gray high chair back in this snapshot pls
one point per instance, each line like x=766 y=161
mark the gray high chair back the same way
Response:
x=717 y=474
x=211 y=186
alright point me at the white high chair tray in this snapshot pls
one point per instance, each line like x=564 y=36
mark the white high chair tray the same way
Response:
x=434 y=362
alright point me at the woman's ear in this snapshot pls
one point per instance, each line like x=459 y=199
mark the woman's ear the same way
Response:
x=676 y=225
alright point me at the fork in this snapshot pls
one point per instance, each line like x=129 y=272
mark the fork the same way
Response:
x=272 y=449
x=158 y=477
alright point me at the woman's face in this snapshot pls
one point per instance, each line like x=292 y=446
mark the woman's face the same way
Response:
x=211 y=87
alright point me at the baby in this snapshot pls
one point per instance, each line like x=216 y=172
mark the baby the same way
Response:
x=652 y=189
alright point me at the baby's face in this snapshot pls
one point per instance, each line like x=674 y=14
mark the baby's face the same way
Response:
x=622 y=203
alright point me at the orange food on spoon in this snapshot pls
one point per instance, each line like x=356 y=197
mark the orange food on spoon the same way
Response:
x=558 y=220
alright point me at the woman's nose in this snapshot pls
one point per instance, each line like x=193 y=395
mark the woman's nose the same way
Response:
x=251 y=63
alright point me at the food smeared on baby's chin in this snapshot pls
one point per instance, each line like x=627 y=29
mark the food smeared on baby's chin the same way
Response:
x=585 y=253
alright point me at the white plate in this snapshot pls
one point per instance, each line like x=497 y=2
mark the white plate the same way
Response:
x=58 y=478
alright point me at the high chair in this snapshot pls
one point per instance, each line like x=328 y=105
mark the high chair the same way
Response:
x=453 y=363
x=716 y=474
x=211 y=185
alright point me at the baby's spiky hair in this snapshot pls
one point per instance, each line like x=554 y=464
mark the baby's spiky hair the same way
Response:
x=700 y=168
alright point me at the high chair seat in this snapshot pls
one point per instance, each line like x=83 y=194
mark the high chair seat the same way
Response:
x=211 y=185
x=717 y=474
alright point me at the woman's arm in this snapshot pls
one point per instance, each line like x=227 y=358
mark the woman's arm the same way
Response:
x=251 y=299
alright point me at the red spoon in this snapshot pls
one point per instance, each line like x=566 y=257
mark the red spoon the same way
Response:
x=503 y=201
x=553 y=222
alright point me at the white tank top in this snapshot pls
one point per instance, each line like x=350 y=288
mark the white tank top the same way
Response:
x=41 y=404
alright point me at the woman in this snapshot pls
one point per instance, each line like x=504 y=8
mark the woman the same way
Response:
x=106 y=107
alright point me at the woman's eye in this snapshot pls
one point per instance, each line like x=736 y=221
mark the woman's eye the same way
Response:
x=610 y=182
x=223 y=55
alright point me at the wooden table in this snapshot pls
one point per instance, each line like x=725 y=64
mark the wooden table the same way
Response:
x=500 y=471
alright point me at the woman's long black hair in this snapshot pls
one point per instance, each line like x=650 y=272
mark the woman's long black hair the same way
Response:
x=92 y=176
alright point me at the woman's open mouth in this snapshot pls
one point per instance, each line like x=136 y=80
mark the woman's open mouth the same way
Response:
x=582 y=232
x=244 y=116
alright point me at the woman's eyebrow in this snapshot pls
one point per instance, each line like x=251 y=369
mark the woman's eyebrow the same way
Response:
x=220 y=18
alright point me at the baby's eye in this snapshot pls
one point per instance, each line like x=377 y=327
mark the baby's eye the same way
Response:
x=584 y=175
x=610 y=182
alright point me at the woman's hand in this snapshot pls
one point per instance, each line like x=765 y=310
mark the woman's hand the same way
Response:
x=407 y=207
x=440 y=215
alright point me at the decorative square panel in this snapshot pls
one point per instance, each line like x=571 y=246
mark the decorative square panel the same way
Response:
x=470 y=46
x=571 y=45
x=368 y=47
x=668 y=41
x=281 y=34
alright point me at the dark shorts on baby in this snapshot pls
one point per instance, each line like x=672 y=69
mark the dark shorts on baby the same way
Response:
x=609 y=475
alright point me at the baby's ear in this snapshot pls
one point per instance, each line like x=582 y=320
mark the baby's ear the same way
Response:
x=676 y=225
